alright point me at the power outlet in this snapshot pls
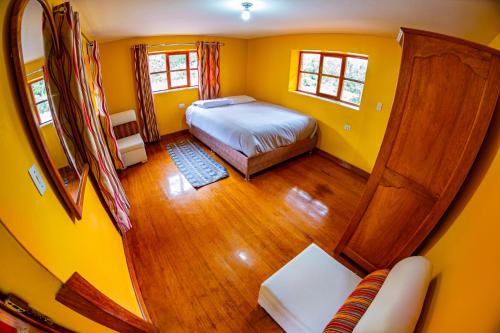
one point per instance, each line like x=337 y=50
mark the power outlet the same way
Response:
x=37 y=179
x=182 y=106
x=379 y=106
x=347 y=127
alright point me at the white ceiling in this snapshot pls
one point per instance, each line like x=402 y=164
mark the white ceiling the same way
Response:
x=477 y=20
x=31 y=32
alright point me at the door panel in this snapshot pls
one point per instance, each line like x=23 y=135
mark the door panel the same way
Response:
x=447 y=92
x=391 y=218
x=437 y=113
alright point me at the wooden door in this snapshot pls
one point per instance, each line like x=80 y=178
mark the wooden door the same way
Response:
x=445 y=98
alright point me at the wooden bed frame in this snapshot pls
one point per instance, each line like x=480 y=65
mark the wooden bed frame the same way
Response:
x=251 y=165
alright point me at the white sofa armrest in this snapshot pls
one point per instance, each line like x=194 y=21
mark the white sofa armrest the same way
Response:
x=397 y=306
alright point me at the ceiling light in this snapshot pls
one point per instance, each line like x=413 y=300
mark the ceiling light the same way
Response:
x=245 y=14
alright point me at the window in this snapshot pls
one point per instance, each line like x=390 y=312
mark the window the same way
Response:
x=339 y=77
x=39 y=94
x=173 y=70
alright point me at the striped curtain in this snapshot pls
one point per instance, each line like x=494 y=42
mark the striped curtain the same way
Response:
x=106 y=126
x=75 y=109
x=62 y=119
x=145 y=100
x=208 y=70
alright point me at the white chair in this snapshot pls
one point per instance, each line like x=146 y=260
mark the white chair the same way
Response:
x=304 y=295
x=129 y=140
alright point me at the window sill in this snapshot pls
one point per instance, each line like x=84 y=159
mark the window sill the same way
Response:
x=45 y=123
x=356 y=108
x=173 y=90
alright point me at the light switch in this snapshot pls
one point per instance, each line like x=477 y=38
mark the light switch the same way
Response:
x=182 y=106
x=379 y=106
x=37 y=179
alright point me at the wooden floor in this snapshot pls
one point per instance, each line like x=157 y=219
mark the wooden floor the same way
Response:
x=201 y=255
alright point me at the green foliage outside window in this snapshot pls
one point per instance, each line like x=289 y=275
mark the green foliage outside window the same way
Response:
x=41 y=101
x=325 y=73
x=177 y=71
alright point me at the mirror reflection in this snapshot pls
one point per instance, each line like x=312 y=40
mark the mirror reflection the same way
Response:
x=36 y=84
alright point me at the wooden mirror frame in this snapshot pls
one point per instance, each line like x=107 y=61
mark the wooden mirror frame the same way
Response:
x=74 y=207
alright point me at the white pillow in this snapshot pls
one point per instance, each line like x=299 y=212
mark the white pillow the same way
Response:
x=397 y=306
x=212 y=103
x=241 y=99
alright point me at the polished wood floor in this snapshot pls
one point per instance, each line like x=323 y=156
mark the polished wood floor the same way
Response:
x=201 y=255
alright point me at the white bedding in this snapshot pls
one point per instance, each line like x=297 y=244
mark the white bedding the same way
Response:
x=252 y=128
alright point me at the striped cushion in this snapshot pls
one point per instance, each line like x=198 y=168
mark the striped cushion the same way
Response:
x=357 y=303
x=125 y=130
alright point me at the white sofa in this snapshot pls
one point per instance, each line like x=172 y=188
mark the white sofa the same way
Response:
x=131 y=146
x=304 y=295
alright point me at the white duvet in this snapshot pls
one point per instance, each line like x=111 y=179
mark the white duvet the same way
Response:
x=252 y=128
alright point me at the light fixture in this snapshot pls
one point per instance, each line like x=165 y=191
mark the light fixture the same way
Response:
x=245 y=14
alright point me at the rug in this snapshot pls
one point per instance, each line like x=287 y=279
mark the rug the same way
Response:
x=195 y=164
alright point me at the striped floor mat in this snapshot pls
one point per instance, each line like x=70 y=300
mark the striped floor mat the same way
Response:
x=195 y=164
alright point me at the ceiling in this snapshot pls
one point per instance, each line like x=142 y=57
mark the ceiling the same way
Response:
x=31 y=32
x=477 y=20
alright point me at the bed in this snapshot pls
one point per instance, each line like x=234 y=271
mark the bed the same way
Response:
x=251 y=135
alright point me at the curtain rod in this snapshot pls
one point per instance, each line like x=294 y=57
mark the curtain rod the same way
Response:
x=87 y=39
x=62 y=10
x=181 y=44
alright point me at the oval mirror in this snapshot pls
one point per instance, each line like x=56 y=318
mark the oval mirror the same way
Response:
x=28 y=20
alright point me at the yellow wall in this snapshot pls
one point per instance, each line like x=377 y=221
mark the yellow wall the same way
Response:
x=19 y=272
x=54 y=145
x=270 y=64
x=91 y=246
x=33 y=66
x=244 y=64
x=119 y=85
x=465 y=293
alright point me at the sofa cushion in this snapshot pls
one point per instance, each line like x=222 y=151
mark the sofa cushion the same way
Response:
x=397 y=307
x=130 y=143
x=357 y=303
x=127 y=129
x=304 y=294
x=123 y=117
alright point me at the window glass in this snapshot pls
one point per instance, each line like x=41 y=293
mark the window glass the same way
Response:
x=194 y=77
x=308 y=82
x=310 y=62
x=41 y=101
x=332 y=66
x=39 y=91
x=193 y=60
x=177 y=61
x=178 y=79
x=179 y=73
x=44 y=112
x=356 y=69
x=351 y=92
x=329 y=85
x=157 y=63
x=159 y=82
x=335 y=76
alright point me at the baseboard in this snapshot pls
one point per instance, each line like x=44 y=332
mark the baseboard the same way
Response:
x=135 y=282
x=360 y=172
x=173 y=135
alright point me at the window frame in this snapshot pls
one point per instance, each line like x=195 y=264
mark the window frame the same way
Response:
x=37 y=113
x=167 y=70
x=320 y=75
